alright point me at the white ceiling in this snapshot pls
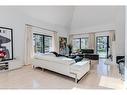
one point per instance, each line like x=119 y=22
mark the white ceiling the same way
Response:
x=58 y=15
x=73 y=17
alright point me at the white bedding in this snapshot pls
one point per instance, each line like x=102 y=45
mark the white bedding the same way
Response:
x=63 y=60
x=62 y=65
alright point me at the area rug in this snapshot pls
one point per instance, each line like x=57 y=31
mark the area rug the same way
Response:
x=109 y=82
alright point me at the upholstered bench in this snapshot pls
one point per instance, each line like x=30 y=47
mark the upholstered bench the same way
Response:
x=80 y=69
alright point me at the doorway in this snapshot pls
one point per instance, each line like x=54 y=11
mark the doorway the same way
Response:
x=102 y=46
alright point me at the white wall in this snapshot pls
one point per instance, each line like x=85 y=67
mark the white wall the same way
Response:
x=80 y=35
x=96 y=28
x=126 y=50
x=13 y=18
x=120 y=31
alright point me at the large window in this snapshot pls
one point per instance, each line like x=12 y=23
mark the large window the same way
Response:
x=80 y=43
x=47 y=44
x=76 y=44
x=84 y=43
x=42 y=43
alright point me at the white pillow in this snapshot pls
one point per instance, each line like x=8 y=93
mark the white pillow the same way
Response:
x=37 y=55
x=49 y=54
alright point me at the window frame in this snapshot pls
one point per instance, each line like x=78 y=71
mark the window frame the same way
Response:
x=85 y=41
x=43 y=41
x=80 y=45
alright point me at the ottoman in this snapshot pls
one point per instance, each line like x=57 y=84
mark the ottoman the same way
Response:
x=80 y=69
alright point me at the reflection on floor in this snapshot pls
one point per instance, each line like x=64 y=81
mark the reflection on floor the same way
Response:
x=28 y=78
x=110 y=82
x=102 y=54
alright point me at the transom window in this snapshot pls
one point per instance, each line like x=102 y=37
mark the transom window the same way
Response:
x=42 y=43
x=80 y=43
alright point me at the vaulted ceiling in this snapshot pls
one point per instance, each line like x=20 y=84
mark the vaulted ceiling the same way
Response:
x=59 y=15
x=73 y=17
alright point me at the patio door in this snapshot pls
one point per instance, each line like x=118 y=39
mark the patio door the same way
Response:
x=102 y=46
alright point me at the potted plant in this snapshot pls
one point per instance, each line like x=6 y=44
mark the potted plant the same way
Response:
x=70 y=48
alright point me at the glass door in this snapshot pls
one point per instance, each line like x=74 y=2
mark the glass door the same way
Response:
x=102 y=45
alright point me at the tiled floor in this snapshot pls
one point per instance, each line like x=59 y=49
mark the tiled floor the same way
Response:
x=28 y=78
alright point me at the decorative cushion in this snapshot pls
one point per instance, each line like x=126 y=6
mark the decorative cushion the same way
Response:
x=77 y=59
x=38 y=55
x=49 y=54
x=56 y=54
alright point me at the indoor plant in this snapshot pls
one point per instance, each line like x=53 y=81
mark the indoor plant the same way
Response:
x=70 y=48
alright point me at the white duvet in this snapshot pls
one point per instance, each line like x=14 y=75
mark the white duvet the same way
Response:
x=55 y=59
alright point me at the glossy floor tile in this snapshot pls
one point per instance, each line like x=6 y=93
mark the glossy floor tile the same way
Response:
x=28 y=78
x=109 y=82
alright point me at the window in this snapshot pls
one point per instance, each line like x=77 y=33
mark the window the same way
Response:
x=84 y=43
x=80 y=43
x=47 y=44
x=76 y=44
x=42 y=43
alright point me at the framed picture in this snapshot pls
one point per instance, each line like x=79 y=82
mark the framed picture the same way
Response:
x=6 y=44
x=62 y=45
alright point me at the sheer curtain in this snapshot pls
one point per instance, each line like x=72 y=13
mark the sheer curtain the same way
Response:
x=28 y=45
x=55 y=42
x=92 y=41
x=112 y=45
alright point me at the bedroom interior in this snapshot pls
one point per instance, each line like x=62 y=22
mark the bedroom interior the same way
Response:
x=73 y=47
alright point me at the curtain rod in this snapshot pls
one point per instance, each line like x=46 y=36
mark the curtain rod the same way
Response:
x=40 y=28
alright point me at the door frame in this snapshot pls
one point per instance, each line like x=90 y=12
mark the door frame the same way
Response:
x=107 y=45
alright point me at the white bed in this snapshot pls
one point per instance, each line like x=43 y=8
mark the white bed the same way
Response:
x=62 y=65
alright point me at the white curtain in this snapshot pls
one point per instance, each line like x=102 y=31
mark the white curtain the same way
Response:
x=112 y=35
x=28 y=45
x=92 y=41
x=55 y=42
x=112 y=45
